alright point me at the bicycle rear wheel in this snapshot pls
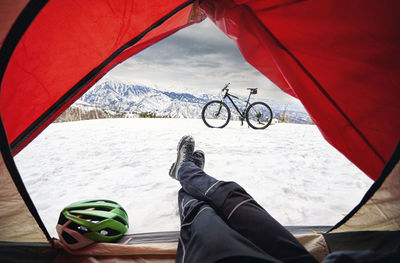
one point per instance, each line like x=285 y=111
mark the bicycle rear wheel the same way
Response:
x=259 y=115
x=216 y=114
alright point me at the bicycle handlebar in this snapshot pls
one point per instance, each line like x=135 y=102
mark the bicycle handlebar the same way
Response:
x=226 y=86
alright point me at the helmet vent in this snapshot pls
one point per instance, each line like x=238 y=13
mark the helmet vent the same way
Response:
x=100 y=208
x=68 y=238
x=103 y=208
x=93 y=219
x=62 y=219
x=119 y=219
x=78 y=228
x=109 y=232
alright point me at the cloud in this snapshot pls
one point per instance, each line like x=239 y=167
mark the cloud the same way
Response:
x=198 y=59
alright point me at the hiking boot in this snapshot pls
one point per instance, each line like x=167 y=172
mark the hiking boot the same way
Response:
x=185 y=154
x=199 y=159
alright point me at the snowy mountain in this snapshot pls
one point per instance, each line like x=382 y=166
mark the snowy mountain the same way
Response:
x=134 y=99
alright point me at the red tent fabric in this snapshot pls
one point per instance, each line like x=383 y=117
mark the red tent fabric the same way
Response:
x=340 y=58
x=69 y=46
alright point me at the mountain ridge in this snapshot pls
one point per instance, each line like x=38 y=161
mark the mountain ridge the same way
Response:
x=133 y=98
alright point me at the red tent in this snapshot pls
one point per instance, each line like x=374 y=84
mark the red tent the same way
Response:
x=340 y=58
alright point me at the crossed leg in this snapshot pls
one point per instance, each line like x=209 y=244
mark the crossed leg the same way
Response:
x=219 y=220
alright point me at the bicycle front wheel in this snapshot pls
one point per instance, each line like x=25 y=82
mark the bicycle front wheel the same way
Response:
x=216 y=114
x=259 y=115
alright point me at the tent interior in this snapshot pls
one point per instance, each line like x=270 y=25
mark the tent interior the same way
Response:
x=340 y=59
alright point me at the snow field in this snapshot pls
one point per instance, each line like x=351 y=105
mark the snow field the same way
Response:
x=288 y=168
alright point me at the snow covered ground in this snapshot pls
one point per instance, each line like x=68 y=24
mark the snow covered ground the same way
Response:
x=288 y=168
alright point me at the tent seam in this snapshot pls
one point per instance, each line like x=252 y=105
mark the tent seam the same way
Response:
x=28 y=132
x=16 y=177
x=320 y=88
x=373 y=189
x=18 y=29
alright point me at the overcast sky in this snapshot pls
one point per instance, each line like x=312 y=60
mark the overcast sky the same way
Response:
x=198 y=59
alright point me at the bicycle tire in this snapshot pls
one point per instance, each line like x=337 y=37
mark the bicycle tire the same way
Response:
x=216 y=114
x=259 y=115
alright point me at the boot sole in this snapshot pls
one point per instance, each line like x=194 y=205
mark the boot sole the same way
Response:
x=174 y=168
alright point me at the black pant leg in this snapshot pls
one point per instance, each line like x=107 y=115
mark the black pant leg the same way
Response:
x=243 y=214
x=205 y=237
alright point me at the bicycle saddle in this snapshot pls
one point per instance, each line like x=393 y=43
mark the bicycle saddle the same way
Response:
x=253 y=90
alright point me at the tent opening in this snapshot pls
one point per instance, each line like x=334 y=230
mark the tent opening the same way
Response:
x=123 y=152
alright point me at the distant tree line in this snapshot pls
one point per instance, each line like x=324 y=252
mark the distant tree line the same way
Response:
x=79 y=114
x=86 y=113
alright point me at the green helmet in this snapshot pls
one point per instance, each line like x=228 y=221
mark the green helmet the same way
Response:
x=85 y=222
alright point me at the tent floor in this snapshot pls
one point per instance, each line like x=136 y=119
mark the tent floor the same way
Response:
x=381 y=241
x=172 y=236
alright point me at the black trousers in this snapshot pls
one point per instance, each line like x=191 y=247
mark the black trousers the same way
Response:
x=220 y=222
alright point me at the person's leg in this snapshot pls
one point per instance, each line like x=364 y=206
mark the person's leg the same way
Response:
x=205 y=237
x=243 y=214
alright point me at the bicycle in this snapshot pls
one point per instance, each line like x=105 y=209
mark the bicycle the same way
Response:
x=216 y=114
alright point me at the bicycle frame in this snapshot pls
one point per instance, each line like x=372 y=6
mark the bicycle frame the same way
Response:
x=230 y=96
